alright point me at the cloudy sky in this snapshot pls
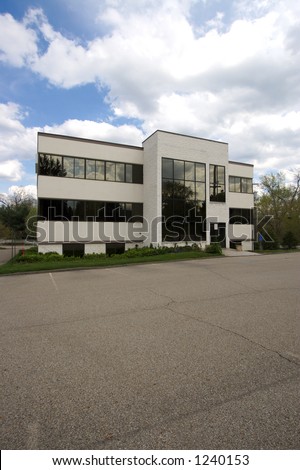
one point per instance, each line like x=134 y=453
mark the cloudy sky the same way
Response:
x=118 y=70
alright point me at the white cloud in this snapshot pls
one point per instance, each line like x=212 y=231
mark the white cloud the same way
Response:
x=16 y=141
x=17 y=42
x=11 y=170
x=237 y=82
x=123 y=134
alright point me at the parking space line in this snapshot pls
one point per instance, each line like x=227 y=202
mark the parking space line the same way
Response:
x=53 y=282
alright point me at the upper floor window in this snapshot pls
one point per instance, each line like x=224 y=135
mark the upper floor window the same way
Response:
x=183 y=180
x=239 y=184
x=217 y=183
x=75 y=167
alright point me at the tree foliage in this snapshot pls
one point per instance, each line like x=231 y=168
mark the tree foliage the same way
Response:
x=14 y=210
x=282 y=202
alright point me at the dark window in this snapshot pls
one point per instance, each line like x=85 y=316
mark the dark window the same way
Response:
x=50 y=209
x=90 y=210
x=178 y=208
x=217 y=183
x=51 y=165
x=167 y=207
x=167 y=188
x=43 y=207
x=183 y=200
x=58 y=209
x=167 y=168
x=128 y=211
x=115 y=248
x=113 y=212
x=99 y=211
x=240 y=216
x=137 y=212
x=122 y=210
x=69 y=208
x=73 y=249
x=137 y=174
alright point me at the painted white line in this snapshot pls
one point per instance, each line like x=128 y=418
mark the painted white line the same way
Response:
x=54 y=283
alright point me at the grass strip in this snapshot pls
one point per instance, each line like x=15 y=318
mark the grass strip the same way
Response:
x=12 y=267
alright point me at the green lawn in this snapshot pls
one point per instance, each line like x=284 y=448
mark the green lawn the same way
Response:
x=82 y=263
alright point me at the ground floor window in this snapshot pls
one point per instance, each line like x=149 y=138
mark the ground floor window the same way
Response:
x=115 y=248
x=99 y=211
x=239 y=215
x=73 y=249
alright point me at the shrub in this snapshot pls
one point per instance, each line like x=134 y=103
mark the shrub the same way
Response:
x=94 y=256
x=214 y=248
x=289 y=240
x=34 y=257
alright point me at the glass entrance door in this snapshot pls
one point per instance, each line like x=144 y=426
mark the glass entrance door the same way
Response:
x=218 y=233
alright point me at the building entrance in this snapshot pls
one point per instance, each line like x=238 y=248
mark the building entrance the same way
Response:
x=218 y=233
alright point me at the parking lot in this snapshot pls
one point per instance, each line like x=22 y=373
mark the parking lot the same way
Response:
x=201 y=354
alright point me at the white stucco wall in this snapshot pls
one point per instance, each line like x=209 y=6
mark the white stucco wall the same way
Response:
x=94 y=248
x=240 y=231
x=53 y=248
x=168 y=145
x=73 y=188
x=69 y=146
x=152 y=190
x=87 y=232
x=240 y=169
x=243 y=200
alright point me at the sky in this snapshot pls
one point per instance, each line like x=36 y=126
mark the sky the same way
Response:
x=117 y=70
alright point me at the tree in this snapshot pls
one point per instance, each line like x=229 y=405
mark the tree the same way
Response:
x=4 y=231
x=31 y=221
x=282 y=202
x=289 y=240
x=14 y=210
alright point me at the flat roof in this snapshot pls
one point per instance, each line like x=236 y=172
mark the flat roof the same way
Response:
x=240 y=163
x=92 y=141
x=136 y=147
x=185 y=135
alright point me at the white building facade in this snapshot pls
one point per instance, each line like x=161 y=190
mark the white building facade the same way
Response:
x=102 y=197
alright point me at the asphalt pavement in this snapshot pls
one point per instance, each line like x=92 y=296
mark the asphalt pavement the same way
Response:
x=198 y=354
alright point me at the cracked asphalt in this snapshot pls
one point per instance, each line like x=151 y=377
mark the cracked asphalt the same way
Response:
x=200 y=354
